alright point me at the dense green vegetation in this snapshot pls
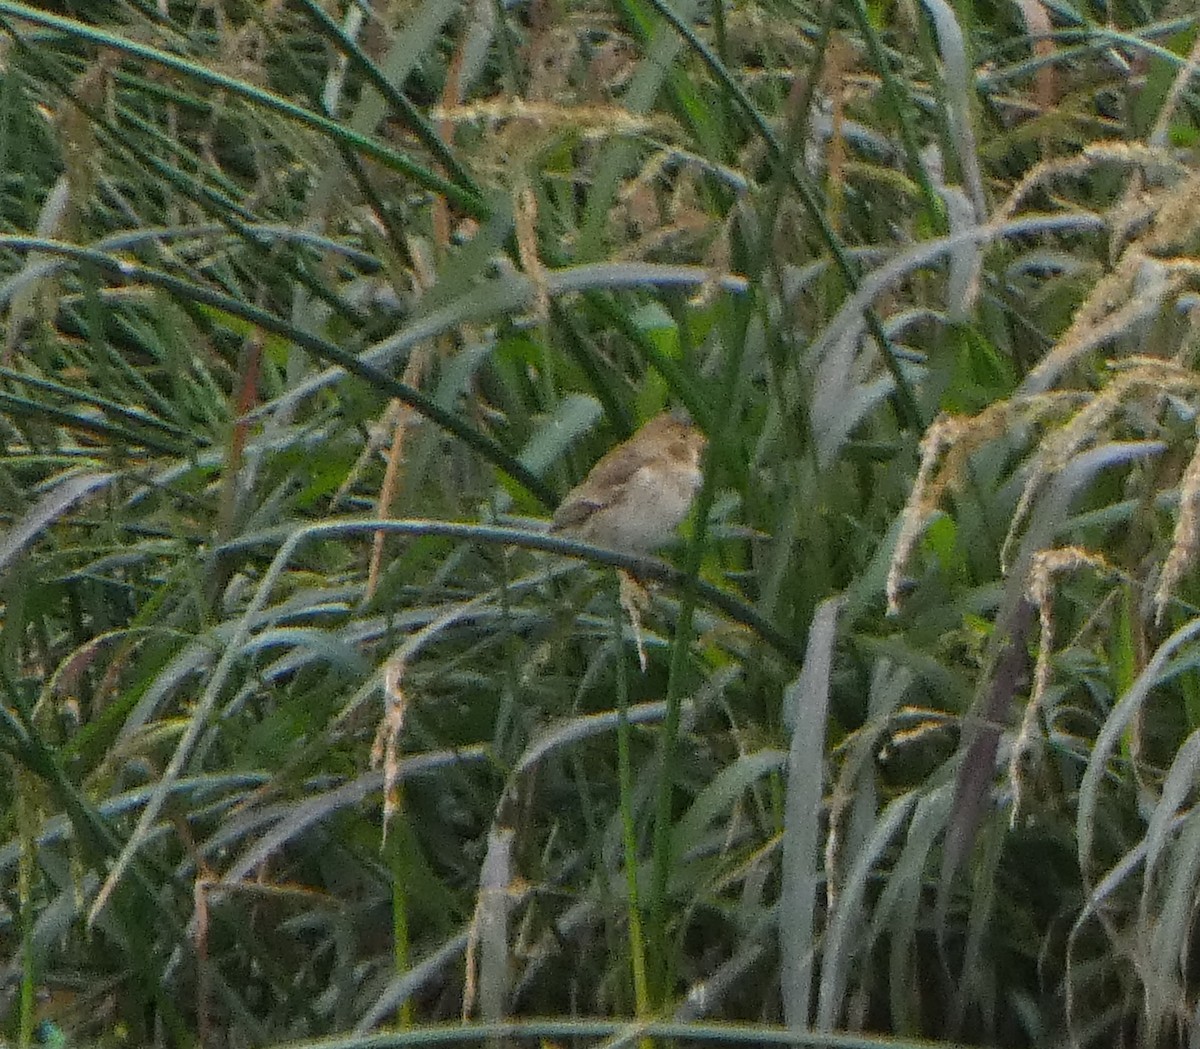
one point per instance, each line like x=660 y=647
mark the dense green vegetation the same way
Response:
x=312 y=311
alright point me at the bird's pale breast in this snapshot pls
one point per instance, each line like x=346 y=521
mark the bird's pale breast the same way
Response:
x=649 y=508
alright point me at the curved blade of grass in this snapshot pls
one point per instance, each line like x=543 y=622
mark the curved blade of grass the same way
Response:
x=48 y=509
x=491 y=923
x=403 y=987
x=586 y=726
x=58 y=829
x=573 y=416
x=621 y=1032
x=292 y=819
x=53 y=217
x=956 y=71
x=843 y=942
x=901 y=267
x=1180 y=779
x=709 y=995
x=721 y=796
x=1164 y=928
x=899 y=906
x=806 y=702
x=1111 y=731
x=646 y=568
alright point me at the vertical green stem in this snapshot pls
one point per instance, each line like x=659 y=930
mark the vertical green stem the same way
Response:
x=25 y=899
x=637 y=942
x=666 y=786
x=399 y=842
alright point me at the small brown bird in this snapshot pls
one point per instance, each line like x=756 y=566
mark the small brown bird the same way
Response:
x=635 y=497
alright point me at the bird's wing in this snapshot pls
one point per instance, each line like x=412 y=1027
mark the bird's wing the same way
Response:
x=573 y=511
x=610 y=474
x=601 y=486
